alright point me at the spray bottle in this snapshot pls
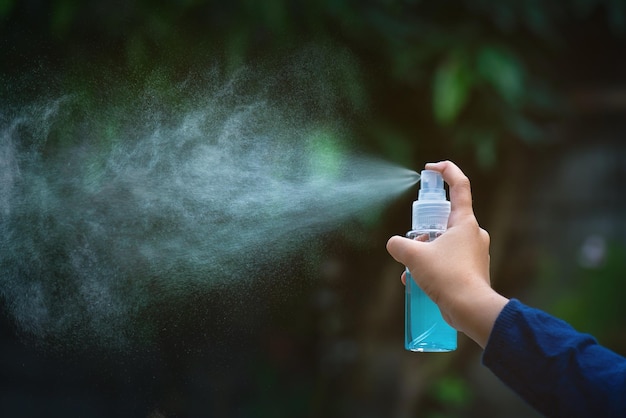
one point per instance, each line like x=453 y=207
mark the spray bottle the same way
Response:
x=425 y=328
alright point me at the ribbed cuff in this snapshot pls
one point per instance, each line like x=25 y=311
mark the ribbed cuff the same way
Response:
x=499 y=339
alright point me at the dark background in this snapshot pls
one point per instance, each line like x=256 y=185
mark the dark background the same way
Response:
x=528 y=97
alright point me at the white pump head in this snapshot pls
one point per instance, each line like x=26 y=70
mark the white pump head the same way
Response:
x=431 y=186
x=431 y=209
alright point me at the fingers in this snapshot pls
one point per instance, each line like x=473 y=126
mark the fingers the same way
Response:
x=414 y=253
x=460 y=190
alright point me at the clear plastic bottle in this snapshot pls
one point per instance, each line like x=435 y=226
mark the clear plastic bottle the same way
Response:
x=425 y=328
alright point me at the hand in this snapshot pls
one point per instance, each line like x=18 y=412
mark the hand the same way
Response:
x=453 y=270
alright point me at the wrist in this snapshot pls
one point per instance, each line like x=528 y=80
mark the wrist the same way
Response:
x=476 y=313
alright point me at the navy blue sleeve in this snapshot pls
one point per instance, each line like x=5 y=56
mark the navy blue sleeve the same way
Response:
x=559 y=371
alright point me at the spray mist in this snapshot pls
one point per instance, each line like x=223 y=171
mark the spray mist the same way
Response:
x=425 y=328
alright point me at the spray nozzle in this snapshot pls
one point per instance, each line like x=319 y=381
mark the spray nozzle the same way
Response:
x=431 y=209
x=431 y=186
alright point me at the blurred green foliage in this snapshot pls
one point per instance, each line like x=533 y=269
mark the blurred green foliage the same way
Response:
x=592 y=301
x=453 y=392
x=5 y=7
x=471 y=73
x=325 y=157
x=425 y=79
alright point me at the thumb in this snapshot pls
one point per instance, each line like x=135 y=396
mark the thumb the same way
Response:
x=404 y=250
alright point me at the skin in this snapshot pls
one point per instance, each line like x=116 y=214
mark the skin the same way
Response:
x=453 y=270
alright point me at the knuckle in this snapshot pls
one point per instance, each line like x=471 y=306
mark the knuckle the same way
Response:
x=484 y=236
x=464 y=182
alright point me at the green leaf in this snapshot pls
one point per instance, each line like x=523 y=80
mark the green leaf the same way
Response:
x=451 y=89
x=136 y=51
x=525 y=129
x=62 y=17
x=486 y=152
x=237 y=48
x=5 y=7
x=452 y=390
x=616 y=15
x=501 y=68
x=325 y=156
x=395 y=144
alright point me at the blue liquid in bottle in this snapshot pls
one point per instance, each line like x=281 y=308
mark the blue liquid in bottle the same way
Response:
x=425 y=328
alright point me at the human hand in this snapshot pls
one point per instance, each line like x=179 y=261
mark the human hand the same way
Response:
x=453 y=270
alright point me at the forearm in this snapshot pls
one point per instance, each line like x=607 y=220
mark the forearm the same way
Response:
x=557 y=370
